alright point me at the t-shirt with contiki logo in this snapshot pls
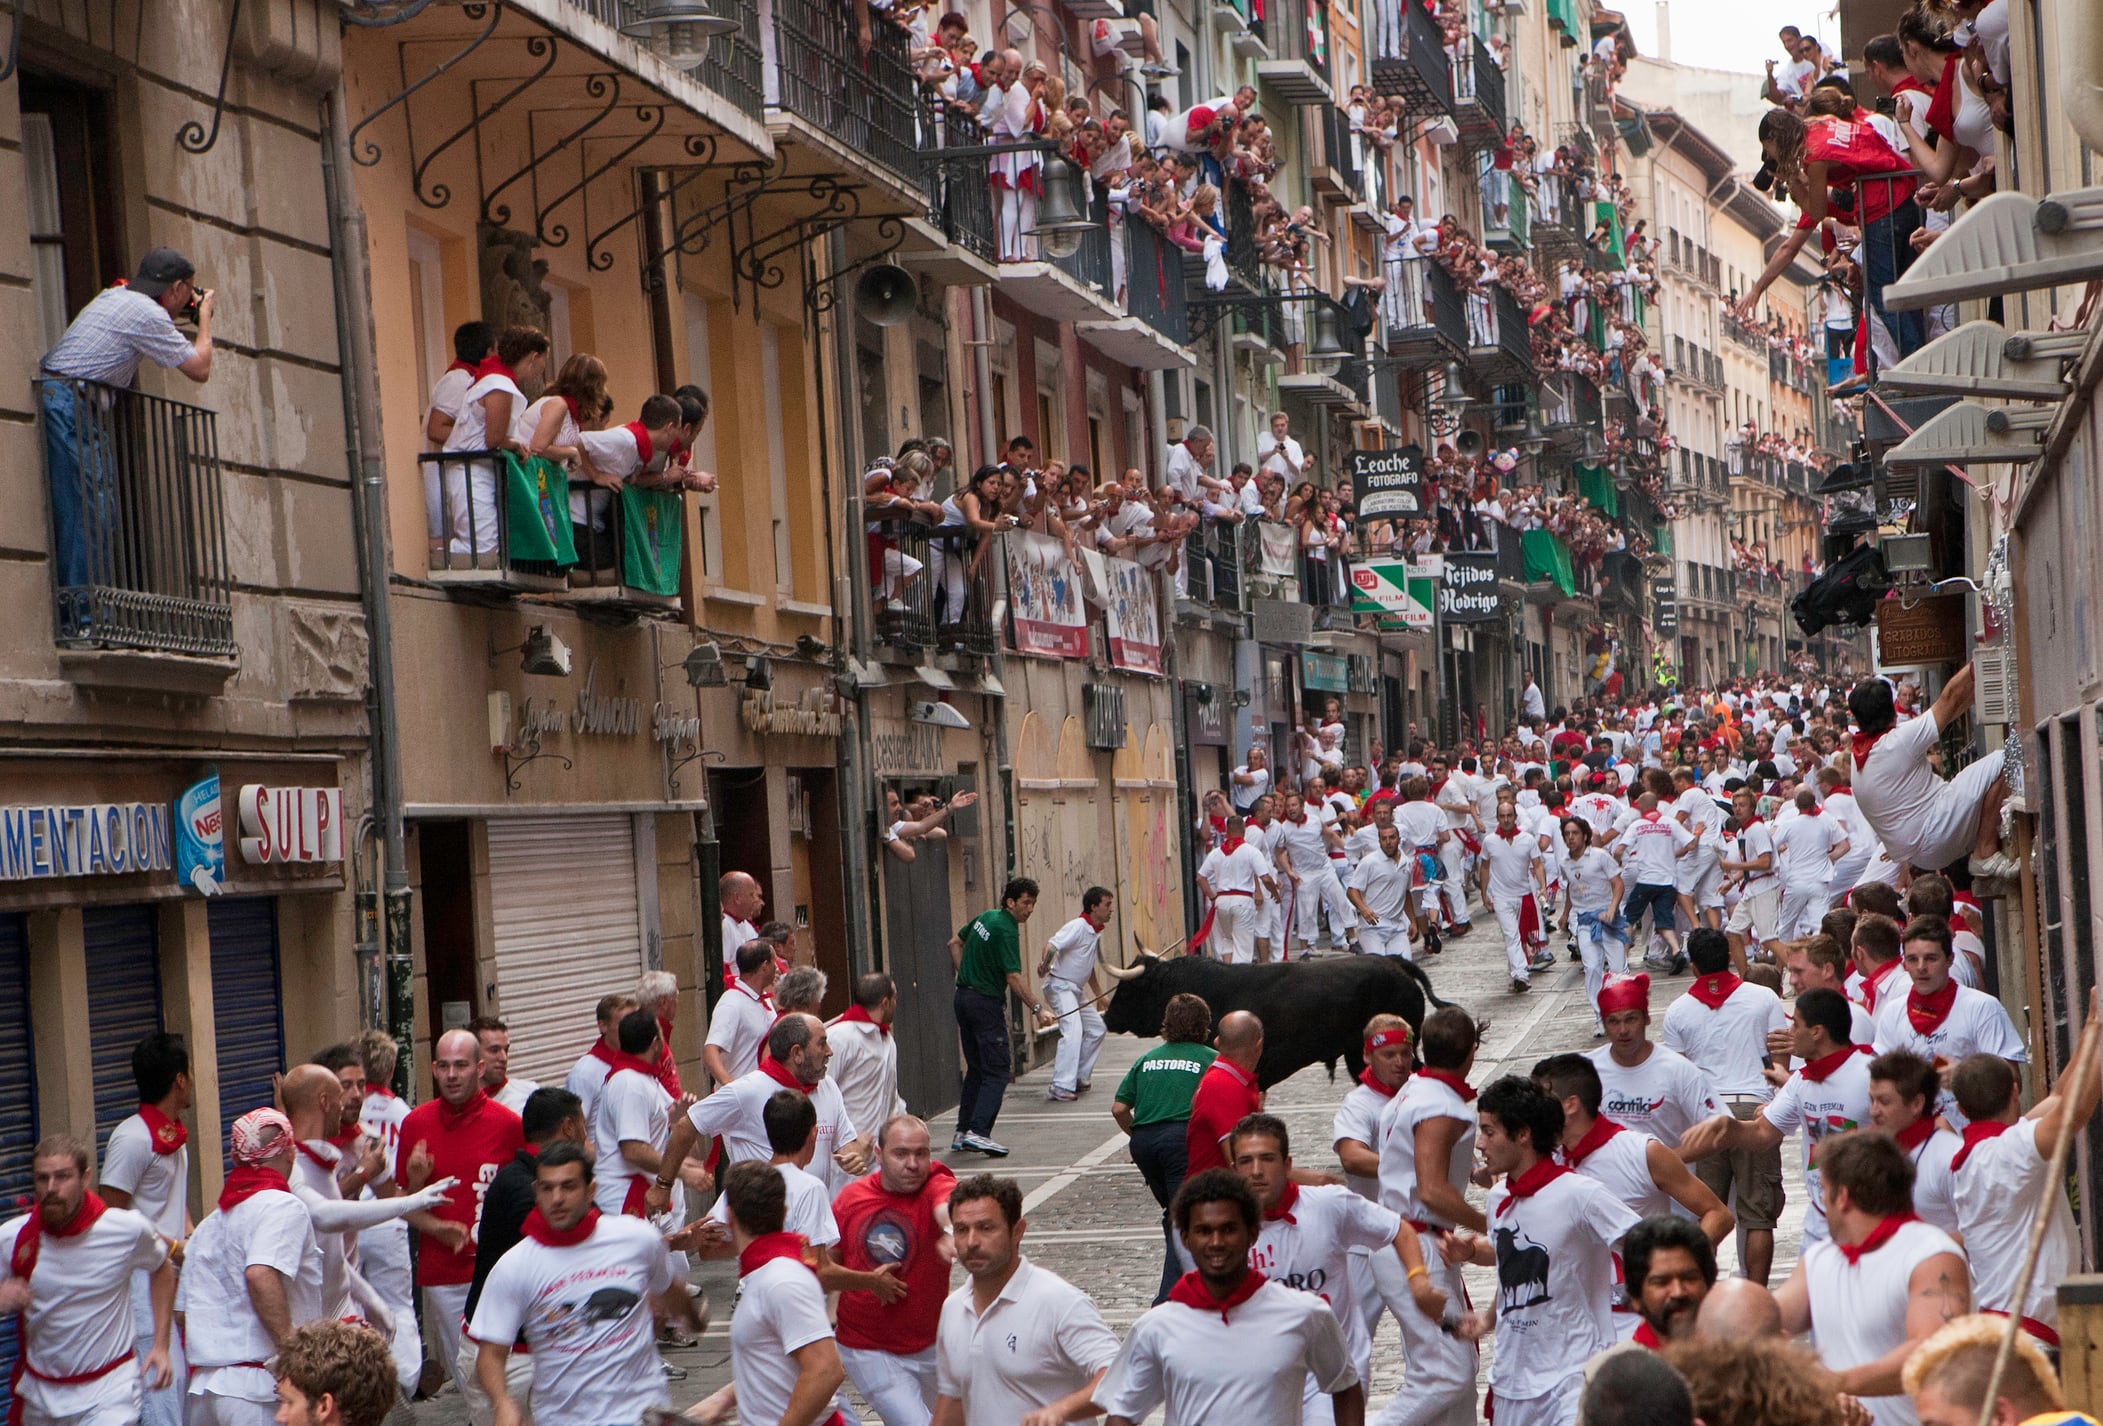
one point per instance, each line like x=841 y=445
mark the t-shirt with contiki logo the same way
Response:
x=585 y=1311
x=469 y=1148
x=1664 y=1096
x=878 y=1227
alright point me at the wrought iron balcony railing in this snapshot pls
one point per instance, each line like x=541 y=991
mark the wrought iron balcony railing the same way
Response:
x=732 y=65
x=869 y=103
x=1410 y=61
x=959 y=199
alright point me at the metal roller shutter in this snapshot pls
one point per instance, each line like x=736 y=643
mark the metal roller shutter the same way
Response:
x=18 y=1097
x=124 y=1002
x=563 y=917
x=247 y=1009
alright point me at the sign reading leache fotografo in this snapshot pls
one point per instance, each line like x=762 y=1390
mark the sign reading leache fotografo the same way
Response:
x=1388 y=485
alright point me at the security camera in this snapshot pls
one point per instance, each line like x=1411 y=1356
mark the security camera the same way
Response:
x=545 y=654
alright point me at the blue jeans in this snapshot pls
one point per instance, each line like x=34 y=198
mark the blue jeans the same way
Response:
x=1887 y=246
x=1659 y=900
x=982 y=1020
x=1160 y=1153
x=80 y=471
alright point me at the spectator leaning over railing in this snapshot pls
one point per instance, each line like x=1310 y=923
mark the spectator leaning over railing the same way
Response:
x=485 y=424
x=123 y=326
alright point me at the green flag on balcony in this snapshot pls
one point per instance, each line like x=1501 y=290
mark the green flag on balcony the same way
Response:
x=653 y=528
x=1597 y=486
x=537 y=510
x=1548 y=558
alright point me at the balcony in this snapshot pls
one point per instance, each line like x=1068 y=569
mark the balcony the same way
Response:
x=1213 y=560
x=1297 y=36
x=1149 y=284
x=1338 y=169
x=959 y=198
x=1500 y=346
x=934 y=589
x=732 y=67
x=1080 y=287
x=865 y=106
x=1478 y=95
x=138 y=521
x=1559 y=228
x=1570 y=408
x=1420 y=75
x=1507 y=214
x=1425 y=315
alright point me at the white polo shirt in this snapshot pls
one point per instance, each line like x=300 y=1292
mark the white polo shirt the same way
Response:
x=158 y=1183
x=1247 y=1364
x=1304 y=842
x=636 y=1107
x=1835 y=1105
x=1996 y=1190
x=736 y=1112
x=1649 y=843
x=1730 y=1042
x=1385 y=885
x=80 y=1317
x=1590 y=879
x=1237 y=871
x=1040 y=1339
x=809 y=1207
x=1310 y=1250
x=1555 y=1274
x=1664 y=1096
x=1072 y=950
x=739 y=1024
x=221 y=1332
x=1510 y=861
x=1803 y=850
x=514 y=1093
x=1752 y=842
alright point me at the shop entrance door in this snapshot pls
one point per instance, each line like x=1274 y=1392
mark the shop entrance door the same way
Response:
x=917 y=928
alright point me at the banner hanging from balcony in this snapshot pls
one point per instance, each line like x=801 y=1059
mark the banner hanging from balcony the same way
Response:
x=537 y=510
x=1388 y=485
x=1548 y=558
x=1279 y=547
x=1400 y=593
x=1132 y=616
x=1596 y=485
x=653 y=530
x=1045 y=613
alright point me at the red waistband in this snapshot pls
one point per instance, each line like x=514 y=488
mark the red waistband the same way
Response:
x=2031 y=1325
x=80 y=1377
x=1234 y=893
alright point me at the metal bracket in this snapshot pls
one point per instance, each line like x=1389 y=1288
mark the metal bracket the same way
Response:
x=558 y=236
x=371 y=153
x=14 y=44
x=700 y=146
x=193 y=137
x=699 y=754
x=538 y=46
x=838 y=204
x=533 y=755
x=497 y=214
x=822 y=294
x=378 y=14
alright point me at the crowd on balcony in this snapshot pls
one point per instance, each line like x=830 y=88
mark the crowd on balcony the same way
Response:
x=1754 y=564
x=1798 y=449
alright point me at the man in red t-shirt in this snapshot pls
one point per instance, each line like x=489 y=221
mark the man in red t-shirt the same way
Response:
x=896 y=1220
x=1226 y=1091
x=466 y=1136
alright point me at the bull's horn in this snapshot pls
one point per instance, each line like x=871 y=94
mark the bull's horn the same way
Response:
x=1125 y=972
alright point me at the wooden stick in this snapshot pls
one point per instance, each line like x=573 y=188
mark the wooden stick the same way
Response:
x=2076 y=1087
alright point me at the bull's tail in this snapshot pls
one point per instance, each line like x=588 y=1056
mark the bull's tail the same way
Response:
x=1416 y=973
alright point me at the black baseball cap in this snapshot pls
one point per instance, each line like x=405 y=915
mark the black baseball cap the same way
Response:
x=160 y=270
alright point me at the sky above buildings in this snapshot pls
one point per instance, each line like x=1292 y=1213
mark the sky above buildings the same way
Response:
x=1727 y=34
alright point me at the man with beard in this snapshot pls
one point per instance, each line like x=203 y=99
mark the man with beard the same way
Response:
x=66 y=1272
x=1670 y=1266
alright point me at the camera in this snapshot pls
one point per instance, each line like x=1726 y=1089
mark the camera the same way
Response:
x=1764 y=179
x=192 y=307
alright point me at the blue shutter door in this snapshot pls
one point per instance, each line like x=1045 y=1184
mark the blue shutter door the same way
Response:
x=18 y=1099
x=247 y=1015
x=124 y=1003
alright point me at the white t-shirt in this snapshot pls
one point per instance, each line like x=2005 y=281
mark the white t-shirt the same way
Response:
x=780 y=1310
x=1600 y=812
x=615 y=452
x=1385 y=886
x=739 y=1025
x=1304 y=842
x=514 y=1093
x=1072 y=950
x=1895 y=789
x=1837 y=1104
x=1664 y=1096
x=1246 y=793
x=1555 y=1273
x=1976 y=1025
x=80 y=1317
x=1040 y=1339
x=865 y=1069
x=1590 y=879
x=1621 y=1165
x=1728 y=1043
x=1649 y=843
x=1311 y=1253
x=470 y=431
x=447 y=391
x=1422 y=1098
x=1858 y=1310
x=809 y=1207
x=585 y=1310
x=1934 y=1187
x=1236 y=871
x=1803 y=850
x=1704 y=818
x=585 y=1079
x=636 y=1107
x=735 y=934
x=1996 y=1193
x=735 y=1111
x=159 y=1184
x=1752 y=842
x=1173 y=1359
x=1510 y=861
x=1359 y=1118
x=220 y=1326
x=1420 y=823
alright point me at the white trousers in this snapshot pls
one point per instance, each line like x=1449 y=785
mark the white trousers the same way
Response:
x=1317 y=892
x=208 y=1408
x=163 y=1407
x=111 y=1400
x=1233 y=938
x=1515 y=957
x=1453 y=861
x=1802 y=909
x=1952 y=823
x=1080 y=1033
x=1550 y=1408
x=442 y=1309
x=383 y=1257
x=518 y=1380
x=901 y=1388
x=1380 y=1284
x=1603 y=953
x=1386 y=940
x=1440 y=1370
x=471 y=506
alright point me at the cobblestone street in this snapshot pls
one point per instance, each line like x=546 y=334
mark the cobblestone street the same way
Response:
x=1092 y=1220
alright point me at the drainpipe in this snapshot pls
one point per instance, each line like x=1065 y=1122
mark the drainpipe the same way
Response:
x=394 y=1007
x=982 y=374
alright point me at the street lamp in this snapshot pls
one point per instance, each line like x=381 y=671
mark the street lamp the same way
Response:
x=1061 y=223
x=678 y=31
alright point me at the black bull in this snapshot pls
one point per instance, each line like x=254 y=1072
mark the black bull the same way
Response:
x=1313 y=1012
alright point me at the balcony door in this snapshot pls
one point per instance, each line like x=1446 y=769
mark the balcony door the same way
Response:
x=74 y=231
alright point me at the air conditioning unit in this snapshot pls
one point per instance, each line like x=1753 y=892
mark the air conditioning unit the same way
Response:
x=1996 y=695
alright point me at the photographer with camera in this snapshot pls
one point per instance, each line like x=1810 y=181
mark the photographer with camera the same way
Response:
x=124 y=325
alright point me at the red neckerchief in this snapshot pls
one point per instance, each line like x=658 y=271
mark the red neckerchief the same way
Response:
x=1918 y=1132
x=571 y=402
x=1526 y=1185
x=471 y=368
x=778 y=1072
x=1371 y=1081
x=1812 y=811
x=381 y=1090
x=1287 y=1201
x=1816 y=1071
x=1942 y=109
x=1909 y=85
x=1653 y=815
x=345 y=1137
x=1437 y=787
x=1860 y=744
x=1594 y=1139
x=857 y=1016
x=1230 y=845
x=1878 y=1237
x=1713 y=990
x=1976 y=1133
x=622 y=1060
x=542 y=1232
x=166 y=1135
x=1190 y=1290
x=1875 y=979
x=768 y=1246
x=1926 y=1013
x=246 y=1182
x=1452 y=1081
x=1843 y=790
x=599 y=1052
x=327 y=1166
x=1509 y=836
x=452 y=1120
x=1646 y=1338
x=495 y=366
x=643 y=449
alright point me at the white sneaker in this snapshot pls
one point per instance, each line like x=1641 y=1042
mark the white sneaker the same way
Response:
x=984 y=1145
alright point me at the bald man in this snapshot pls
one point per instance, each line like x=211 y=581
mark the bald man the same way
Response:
x=742 y=902
x=1738 y=1309
x=462 y=1136
x=313 y=1100
x=1226 y=1091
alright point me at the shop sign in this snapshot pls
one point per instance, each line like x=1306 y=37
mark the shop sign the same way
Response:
x=1664 y=605
x=1388 y=485
x=200 y=837
x=594 y=715
x=90 y=839
x=674 y=728
x=1205 y=720
x=1931 y=630
x=906 y=749
x=1361 y=675
x=1468 y=592
x=290 y=824
x=1395 y=590
x=1327 y=672
x=811 y=716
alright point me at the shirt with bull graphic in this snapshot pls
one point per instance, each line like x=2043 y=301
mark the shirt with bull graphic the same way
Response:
x=585 y=1311
x=1555 y=1281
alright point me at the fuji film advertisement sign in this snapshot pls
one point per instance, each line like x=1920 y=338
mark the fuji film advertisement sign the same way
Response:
x=1402 y=594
